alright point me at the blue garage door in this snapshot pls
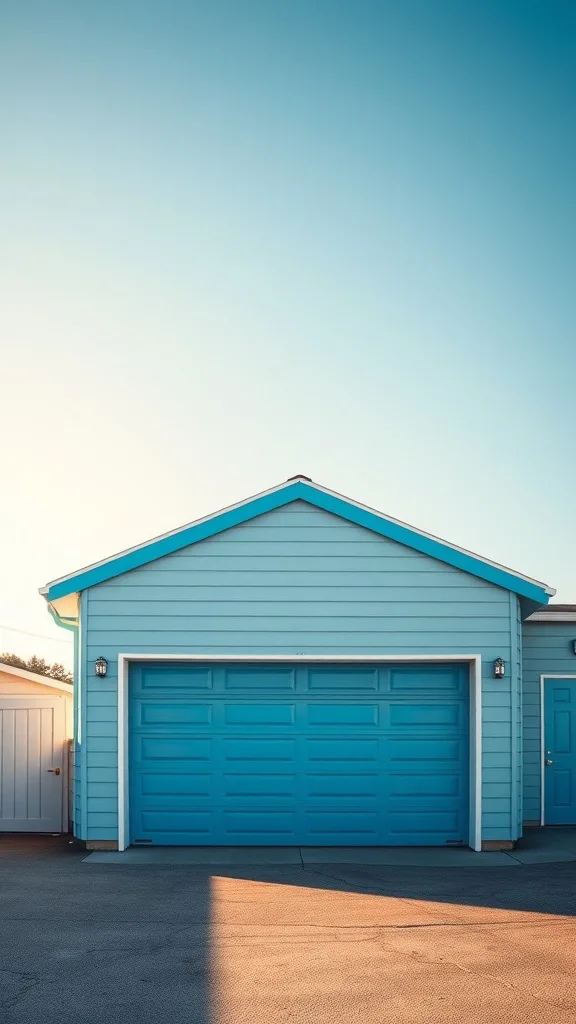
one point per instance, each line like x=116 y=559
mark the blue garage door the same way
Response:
x=311 y=755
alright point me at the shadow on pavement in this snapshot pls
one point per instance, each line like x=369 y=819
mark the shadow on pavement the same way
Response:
x=199 y=944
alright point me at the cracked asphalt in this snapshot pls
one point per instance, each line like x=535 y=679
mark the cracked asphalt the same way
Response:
x=282 y=944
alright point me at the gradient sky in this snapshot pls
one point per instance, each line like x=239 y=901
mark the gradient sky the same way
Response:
x=246 y=239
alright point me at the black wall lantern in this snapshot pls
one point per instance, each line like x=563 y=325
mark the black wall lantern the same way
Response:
x=101 y=666
x=499 y=668
x=574 y=646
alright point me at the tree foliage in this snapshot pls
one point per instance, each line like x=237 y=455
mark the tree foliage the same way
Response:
x=38 y=665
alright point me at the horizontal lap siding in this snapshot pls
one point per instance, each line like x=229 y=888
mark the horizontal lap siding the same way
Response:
x=547 y=648
x=296 y=581
x=303 y=589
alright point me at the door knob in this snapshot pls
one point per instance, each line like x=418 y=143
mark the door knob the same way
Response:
x=56 y=771
x=548 y=761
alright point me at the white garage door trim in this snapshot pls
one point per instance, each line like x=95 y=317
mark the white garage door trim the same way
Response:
x=473 y=660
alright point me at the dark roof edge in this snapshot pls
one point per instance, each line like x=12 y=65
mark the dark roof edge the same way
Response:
x=554 y=613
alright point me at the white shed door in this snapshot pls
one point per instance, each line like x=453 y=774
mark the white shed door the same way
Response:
x=32 y=747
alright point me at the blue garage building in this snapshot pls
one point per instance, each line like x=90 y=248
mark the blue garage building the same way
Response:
x=299 y=669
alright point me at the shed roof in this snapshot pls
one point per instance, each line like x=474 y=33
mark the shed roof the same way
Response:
x=555 y=613
x=298 y=488
x=35 y=677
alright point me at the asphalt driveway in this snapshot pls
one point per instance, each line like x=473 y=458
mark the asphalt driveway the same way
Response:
x=192 y=944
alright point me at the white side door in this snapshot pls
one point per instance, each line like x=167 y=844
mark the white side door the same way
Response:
x=32 y=766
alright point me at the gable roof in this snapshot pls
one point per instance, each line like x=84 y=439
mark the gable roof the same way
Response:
x=298 y=488
x=35 y=677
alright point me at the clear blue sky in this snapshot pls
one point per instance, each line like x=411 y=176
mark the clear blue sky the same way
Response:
x=242 y=240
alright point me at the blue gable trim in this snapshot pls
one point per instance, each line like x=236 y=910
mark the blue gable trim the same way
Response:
x=299 y=490
x=429 y=546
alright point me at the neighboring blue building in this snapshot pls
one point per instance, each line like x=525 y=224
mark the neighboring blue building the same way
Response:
x=299 y=669
x=549 y=716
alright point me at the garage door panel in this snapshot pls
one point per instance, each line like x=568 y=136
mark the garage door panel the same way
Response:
x=191 y=822
x=262 y=822
x=259 y=715
x=277 y=679
x=259 y=785
x=419 y=807
x=346 y=825
x=336 y=678
x=169 y=748
x=343 y=784
x=426 y=678
x=338 y=715
x=425 y=715
x=413 y=785
x=188 y=677
x=178 y=714
x=431 y=822
x=418 y=750
x=252 y=749
x=172 y=784
x=319 y=807
x=261 y=807
x=320 y=768
x=342 y=749
x=167 y=804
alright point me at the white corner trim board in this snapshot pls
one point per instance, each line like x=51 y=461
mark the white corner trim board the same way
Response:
x=544 y=676
x=473 y=660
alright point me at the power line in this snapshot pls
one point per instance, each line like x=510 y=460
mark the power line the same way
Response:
x=38 y=636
